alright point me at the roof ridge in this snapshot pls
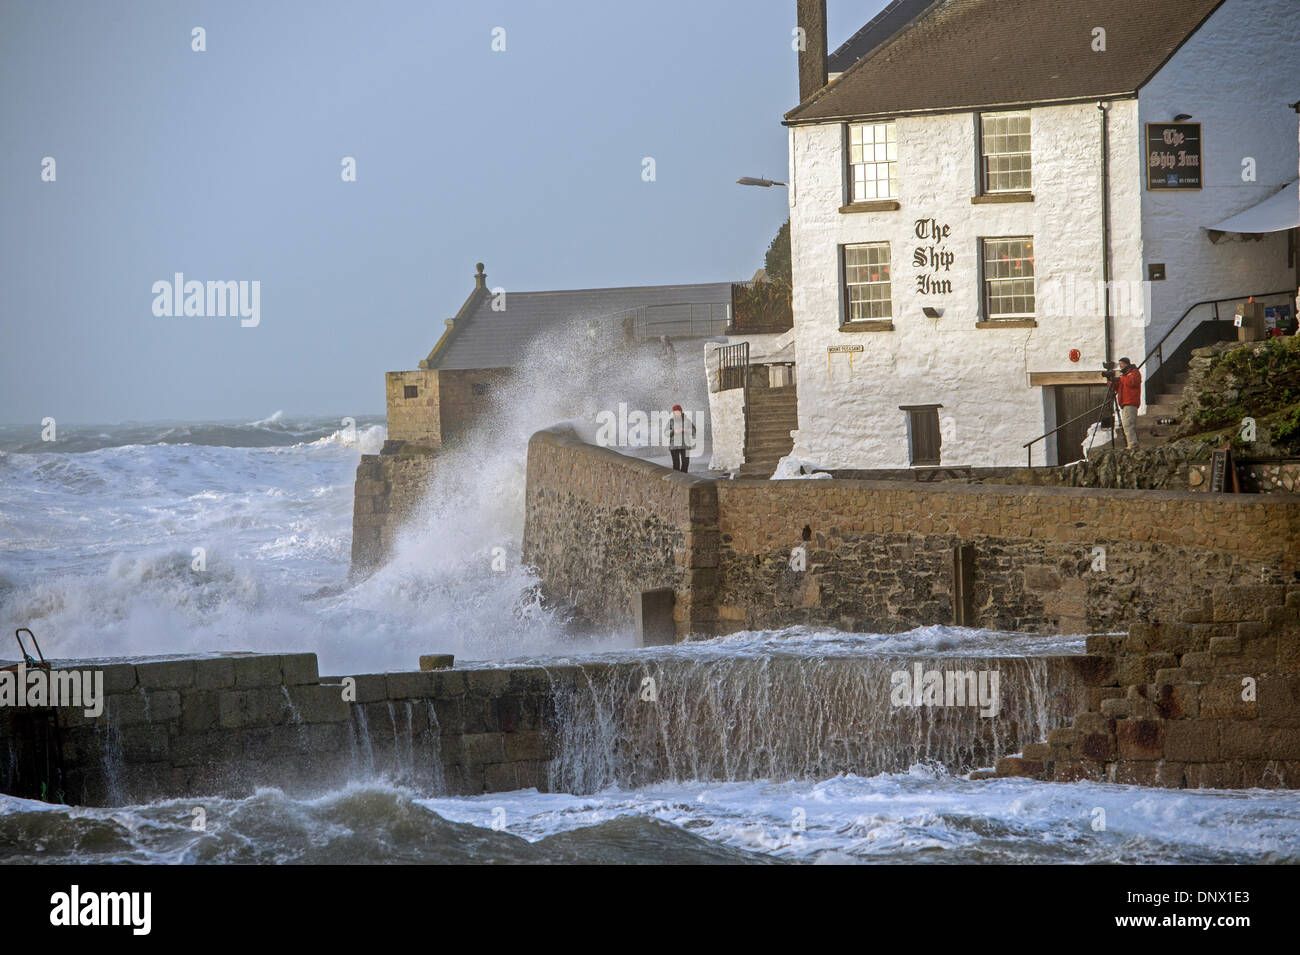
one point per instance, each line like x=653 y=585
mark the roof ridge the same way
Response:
x=891 y=7
x=625 y=288
x=964 y=55
x=870 y=54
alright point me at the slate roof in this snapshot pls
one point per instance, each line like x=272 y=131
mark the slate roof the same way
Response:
x=896 y=15
x=482 y=338
x=975 y=54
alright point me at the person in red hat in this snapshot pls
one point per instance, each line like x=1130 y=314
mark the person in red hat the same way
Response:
x=681 y=439
x=1128 y=391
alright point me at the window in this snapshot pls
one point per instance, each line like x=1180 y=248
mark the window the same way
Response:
x=866 y=282
x=873 y=162
x=1005 y=152
x=923 y=438
x=1008 y=278
x=411 y=391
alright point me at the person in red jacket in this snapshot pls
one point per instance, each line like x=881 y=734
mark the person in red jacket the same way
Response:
x=1128 y=392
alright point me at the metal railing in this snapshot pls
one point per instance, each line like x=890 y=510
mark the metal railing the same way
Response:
x=1159 y=351
x=700 y=320
x=733 y=366
x=1159 y=354
x=1029 y=447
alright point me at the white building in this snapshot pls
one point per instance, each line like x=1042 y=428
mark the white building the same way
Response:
x=960 y=194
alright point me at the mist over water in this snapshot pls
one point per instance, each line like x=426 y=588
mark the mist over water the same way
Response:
x=99 y=530
x=473 y=515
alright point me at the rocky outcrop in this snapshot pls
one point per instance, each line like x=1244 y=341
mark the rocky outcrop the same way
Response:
x=1231 y=382
x=1161 y=468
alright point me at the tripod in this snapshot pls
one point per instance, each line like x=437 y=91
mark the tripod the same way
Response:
x=1110 y=408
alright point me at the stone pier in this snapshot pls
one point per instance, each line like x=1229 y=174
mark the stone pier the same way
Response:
x=225 y=725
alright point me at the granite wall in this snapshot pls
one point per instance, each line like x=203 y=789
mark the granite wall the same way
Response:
x=879 y=554
x=602 y=528
x=1209 y=701
x=388 y=490
x=225 y=725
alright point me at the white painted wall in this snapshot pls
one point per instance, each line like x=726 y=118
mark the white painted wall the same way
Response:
x=726 y=415
x=1235 y=76
x=727 y=408
x=848 y=411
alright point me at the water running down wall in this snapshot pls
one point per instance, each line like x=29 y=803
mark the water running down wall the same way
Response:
x=169 y=732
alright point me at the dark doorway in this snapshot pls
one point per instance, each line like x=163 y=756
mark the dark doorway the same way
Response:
x=923 y=439
x=654 y=618
x=1072 y=401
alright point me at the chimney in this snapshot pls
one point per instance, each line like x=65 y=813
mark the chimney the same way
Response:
x=480 y=277
x=811 y=16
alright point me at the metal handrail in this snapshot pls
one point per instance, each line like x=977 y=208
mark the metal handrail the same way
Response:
x=1029 y=446
x=1158 y=352
x=1159 y=349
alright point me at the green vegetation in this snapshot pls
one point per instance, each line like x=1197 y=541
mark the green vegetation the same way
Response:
x=777 y=261
x=762 y=307
x=1259 y=381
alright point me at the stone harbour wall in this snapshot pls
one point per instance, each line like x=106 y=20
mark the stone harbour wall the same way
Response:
x=602 y=528
x=1210 y=701
x=878 y=555
x=225 y=725
x=192 y=726
x=1047 y=559
x=389 y=488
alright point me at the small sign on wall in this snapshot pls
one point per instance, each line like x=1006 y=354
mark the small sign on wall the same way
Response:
x=1174 y=156
x=849 y=350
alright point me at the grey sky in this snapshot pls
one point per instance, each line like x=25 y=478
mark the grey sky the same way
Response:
x=225 y=165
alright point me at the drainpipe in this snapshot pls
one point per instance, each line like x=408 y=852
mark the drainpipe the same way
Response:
x=1104 y=109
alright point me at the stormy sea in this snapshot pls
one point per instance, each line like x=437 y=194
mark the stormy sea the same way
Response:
x=137 y=539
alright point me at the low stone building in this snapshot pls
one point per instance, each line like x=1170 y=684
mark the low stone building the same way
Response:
x=479 y=348
x=490 y=333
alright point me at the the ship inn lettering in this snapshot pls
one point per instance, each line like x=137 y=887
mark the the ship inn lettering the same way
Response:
x=933 y=260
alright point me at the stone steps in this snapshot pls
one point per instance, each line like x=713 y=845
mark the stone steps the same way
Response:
x=770 y=416
x=1165 y=405
x=1168 y=704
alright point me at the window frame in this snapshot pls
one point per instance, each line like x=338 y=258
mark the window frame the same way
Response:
x=891 y=178
x=986 y=314
x=982 y=156
x=846 y=308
